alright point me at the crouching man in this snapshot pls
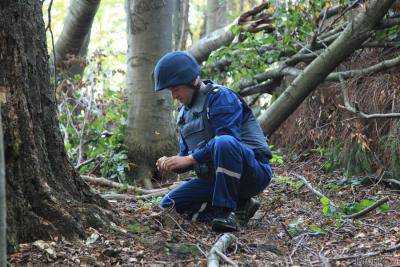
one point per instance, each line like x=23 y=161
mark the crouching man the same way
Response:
x=220 y=139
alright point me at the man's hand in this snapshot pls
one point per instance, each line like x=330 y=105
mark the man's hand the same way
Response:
x=174 y=163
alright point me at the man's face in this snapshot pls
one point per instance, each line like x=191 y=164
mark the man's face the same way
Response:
x=182 y=93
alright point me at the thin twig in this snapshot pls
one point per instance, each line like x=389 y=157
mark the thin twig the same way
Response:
x=226 y=258
x=315 y=191
x=366 y=255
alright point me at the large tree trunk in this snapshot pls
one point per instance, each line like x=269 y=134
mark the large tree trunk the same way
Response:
x=3 y=208
x=150 y=131
x=45 y=195
x=349 y=40
x=75 y=35
x=185 y=5
x=216 y=16
x=176 y=22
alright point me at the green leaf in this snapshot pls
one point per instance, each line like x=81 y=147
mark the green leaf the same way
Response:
x=327 y=208
x=384 y=208
x=316 y=229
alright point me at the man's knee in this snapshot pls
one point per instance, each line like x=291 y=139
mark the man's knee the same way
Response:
x=225 y=142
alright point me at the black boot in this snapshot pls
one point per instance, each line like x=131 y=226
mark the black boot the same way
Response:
x=246 y=211
x=226 y=223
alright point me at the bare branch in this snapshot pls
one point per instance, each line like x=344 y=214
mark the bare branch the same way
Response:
x=315 y=191
x=348 y=106
x=368 y=209
x=266 y=87
x=221 y=245
x=224 y=36
x=129 y=188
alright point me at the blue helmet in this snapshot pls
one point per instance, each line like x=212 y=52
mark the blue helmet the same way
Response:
x=175 y=68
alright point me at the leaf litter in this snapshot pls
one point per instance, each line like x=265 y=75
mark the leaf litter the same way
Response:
x=292 y=228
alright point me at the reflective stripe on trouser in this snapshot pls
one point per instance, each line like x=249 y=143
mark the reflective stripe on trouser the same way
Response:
x=237 y=175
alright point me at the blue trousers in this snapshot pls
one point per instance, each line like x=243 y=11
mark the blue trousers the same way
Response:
x=237 y=176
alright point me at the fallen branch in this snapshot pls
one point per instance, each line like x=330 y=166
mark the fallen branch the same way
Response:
x=221 y=245
x=315 y=191
x=336 y=76
x=226 y=258
x=368 y=209
x=79 y=165
x=262 y=88
x=129 y=188
x=108 y=183
x=366 y=255
x=126 y=197
x=354 y=109
x=224 y=36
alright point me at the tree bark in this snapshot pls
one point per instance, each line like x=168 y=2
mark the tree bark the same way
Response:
x=75 y=35
x=150 y=132
x=224 y=36
x=184 y=24
x=349 y=40
x=3 y=208
x=177 y=23
x=45 y=195
x=216 y=15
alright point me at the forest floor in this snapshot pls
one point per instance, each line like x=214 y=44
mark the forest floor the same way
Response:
x=292 y=228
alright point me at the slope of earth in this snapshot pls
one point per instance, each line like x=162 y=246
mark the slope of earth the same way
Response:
x=293 y=227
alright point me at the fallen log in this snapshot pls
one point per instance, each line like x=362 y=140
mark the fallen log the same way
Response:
x=350 y=39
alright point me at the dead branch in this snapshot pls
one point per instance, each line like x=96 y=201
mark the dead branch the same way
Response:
x=262 y=88
x=127 y=197
x=226 y=258
x=354 y=109
x=251 y=86
x=254 y=11
x=368 y=209
x=129 y=188
x=315 y=191
x=384 y=65
x=221 y=245
x=384 y=44
x=115 y=196
x=79 y=165
x=224 y=36
x=366 y=255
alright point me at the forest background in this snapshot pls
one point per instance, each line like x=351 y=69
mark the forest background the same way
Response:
x=373 y=146
x=344 y=136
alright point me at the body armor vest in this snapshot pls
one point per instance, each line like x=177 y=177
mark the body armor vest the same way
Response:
x=196 y=131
